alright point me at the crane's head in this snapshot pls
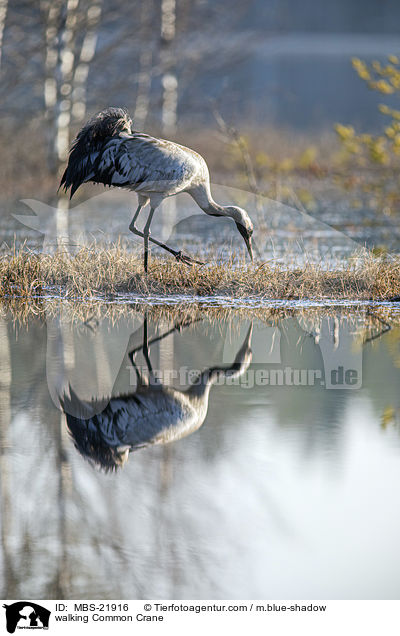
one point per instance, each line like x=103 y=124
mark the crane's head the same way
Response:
x=243 y=224
x=107 y=123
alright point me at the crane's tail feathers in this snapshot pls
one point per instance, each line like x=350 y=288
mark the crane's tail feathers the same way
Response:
x=88 y=144
x=93 y=447
x=70 y=180
x=87 y=436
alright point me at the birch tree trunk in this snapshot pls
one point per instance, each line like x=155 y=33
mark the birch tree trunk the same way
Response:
x=66 y=75
x=145 y=65
x=66 y=70
x=52 y=11
x=3 y=15
x=63 y=112
x=169 y=79
x=88 y=49
x=169 y=96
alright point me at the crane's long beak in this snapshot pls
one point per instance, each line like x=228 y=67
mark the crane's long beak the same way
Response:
x=247 y=240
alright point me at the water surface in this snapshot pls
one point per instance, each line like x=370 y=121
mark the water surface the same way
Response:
x=287 y=490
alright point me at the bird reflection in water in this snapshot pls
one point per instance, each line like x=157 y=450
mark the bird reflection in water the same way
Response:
x=152 y=414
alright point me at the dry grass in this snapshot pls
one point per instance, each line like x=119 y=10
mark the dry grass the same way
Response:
x=95 y=272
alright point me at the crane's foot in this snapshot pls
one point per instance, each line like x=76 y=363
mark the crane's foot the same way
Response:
x=184 y=258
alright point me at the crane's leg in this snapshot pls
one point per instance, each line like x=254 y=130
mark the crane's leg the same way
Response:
x=142 y=380
x=142 y=203
x=179 y=326
x=146 y=349
x=180 y=256
x=146 y=233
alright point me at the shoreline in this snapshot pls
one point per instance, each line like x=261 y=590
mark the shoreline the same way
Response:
x=114 y=274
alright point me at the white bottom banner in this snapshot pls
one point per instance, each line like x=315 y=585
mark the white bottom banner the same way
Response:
x=180 y=617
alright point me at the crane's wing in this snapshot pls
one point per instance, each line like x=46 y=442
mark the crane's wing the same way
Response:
x=138 y=161
x=132 y=421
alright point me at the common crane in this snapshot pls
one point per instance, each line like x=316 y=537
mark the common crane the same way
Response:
x=108 y=151
x=153 y=414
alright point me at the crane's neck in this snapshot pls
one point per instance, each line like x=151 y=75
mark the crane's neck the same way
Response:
x=200 y=388
x=198 y=393
x=203 y=197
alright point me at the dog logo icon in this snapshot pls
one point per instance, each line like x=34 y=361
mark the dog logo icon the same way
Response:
x=26 y=615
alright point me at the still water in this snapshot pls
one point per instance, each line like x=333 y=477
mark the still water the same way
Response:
x=264 y=463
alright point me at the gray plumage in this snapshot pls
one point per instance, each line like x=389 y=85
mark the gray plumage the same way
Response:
x=153 y=414
x=108 y=151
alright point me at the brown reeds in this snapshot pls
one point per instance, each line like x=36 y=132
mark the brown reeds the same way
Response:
x=99 y=272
